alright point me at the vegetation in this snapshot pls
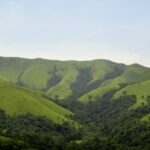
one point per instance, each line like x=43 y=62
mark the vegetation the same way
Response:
x=106 y=124
x=141 y=90
x=17 y=101
x=32 y=132
x=57 y=105
x=109 y=124
x=131 y=74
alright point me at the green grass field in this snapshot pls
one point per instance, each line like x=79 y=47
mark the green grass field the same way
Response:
x=16 y=101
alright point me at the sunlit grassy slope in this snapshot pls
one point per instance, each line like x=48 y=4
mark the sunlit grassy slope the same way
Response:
x=37 y=74
x=16 y=101
x=12 y=68
x=131 y=74
x=63 y=89
x=141 y=90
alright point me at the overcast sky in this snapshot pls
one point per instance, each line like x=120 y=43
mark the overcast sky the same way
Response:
x=117 y=30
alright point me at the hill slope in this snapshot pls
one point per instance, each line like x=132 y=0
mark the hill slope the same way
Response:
x=79 y=80
x=57 y=77
x=131 y=74
x=17 y=101
x=141 y=90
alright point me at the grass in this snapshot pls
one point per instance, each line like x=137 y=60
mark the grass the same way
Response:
x=12 y=68
x=102 y=68
x=132 y=74
x=63 y=89
x=141 y=90
x=37 y=74
x=40 y=71
x=16 y=101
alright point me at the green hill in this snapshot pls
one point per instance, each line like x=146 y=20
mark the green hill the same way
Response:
x=131 y=74
x=12 y=68
x=109 y=101
x=56 y=77
x=141 y=90
x=80 y=80
x=17 y=101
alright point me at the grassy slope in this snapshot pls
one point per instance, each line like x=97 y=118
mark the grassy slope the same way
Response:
x=141 y=90
x=37 y=74
x=12 y=68
x=16 y=101
x=63 y=88
x=133 y=73
x=40 y=71
x=101 y=69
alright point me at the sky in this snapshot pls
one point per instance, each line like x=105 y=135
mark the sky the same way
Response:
x=118 y=30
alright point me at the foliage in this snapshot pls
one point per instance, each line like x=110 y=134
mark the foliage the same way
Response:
x=96 y=96
x=28 y=131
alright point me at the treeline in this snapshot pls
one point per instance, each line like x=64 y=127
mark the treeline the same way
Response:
x=32 y=132
x=110 y=125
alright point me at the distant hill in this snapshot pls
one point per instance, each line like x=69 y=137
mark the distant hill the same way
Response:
x=131 y=74
x=79 y=80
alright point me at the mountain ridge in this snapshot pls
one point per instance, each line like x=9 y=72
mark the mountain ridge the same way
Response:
x=80 y=80
x=40 y=73
x=73 y=60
